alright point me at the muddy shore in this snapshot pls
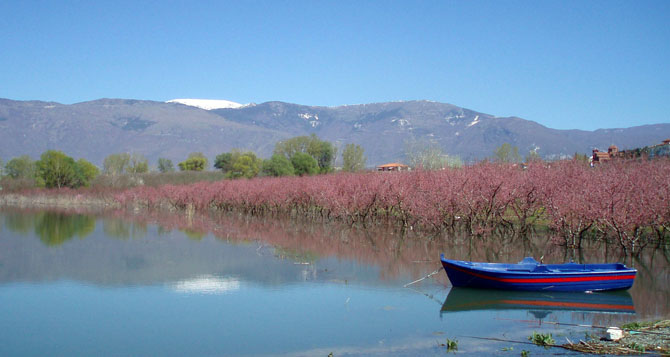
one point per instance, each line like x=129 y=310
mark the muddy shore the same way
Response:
x=647 y=338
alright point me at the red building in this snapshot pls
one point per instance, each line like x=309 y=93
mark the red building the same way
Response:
x=393 y=167
x=613 y=152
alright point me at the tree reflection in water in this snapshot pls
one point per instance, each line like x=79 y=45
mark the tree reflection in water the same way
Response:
x=396 y=253
x=53 y=228
x=19 y=221
x=123 y=229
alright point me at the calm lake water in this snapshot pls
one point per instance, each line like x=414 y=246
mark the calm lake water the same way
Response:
x=155 y=284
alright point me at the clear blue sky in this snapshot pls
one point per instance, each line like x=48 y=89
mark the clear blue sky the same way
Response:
x=565 y=64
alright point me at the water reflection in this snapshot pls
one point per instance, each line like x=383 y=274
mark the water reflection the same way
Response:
x=53 y=228
x=539 y=304
x=207 y=284
x=121 y=229
x=204 y=251
x=18 y=221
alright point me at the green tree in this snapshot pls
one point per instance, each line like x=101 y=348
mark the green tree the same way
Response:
x=20 y=167
x=322 y=151
x=116 y=164
x=304 y=164
x=199 y=155
x=165 y=165
x=353 y=158
x=137 y=164
x=193 y=164
x=244 y=164
x=224 y=162
x=277 y=165
x=507 y=153
x=57 y=170
x=86 y=172
x=291 y=146
x=2 y=168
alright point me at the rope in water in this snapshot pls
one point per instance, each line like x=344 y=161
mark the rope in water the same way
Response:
x=425 y=277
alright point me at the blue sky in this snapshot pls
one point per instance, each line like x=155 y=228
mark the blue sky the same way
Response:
x=565 y=64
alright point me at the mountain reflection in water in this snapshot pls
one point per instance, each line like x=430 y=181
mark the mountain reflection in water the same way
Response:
x=207 y=284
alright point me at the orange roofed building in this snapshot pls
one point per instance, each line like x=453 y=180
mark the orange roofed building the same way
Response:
x=613 y=152
x=393 y=167
x=600 y=156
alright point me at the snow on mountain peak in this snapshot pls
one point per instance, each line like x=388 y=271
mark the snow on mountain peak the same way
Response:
x=208 y=104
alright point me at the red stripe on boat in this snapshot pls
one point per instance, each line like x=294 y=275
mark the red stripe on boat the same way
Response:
x=547 y=280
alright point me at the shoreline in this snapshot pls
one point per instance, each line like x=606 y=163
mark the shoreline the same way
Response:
x=645 y=338
x=43 y=200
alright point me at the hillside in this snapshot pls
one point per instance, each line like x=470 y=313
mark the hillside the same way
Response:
x=98 y=128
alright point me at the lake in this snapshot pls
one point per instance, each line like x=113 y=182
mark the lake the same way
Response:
x=147 y=283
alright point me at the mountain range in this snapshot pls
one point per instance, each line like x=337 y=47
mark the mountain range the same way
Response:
x=95 y=129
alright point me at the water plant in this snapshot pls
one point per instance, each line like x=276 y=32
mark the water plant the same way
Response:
x=636 y=325
x=542 y=339
x=452 y=345
x=636 y=347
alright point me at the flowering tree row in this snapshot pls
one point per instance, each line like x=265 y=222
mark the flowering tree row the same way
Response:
x=622 y=200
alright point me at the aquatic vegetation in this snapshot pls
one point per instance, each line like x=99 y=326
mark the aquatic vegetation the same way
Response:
x=451 y=345
x=542 y=339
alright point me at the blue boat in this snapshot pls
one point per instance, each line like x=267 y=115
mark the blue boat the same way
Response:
x=531 y=275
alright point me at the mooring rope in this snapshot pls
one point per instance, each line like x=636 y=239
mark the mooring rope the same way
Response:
x=425 y=277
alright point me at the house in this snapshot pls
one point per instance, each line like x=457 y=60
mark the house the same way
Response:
x=600 y=156
x=393 y=167
x=647 y=151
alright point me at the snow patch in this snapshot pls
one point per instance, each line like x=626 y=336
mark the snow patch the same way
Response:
x=313 y=119
x=401 y=122
x=475 y=121
x=208 y=104
x=454 y=116
x=308 y=116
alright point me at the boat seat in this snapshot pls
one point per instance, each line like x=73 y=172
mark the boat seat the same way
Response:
x=533 y=269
